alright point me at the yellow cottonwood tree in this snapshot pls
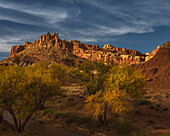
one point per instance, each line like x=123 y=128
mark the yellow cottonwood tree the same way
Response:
x=23 y=89
x=2 y=69
x=123 y=83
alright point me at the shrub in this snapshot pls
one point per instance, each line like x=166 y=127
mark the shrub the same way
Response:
x=124 y=128
x=83 y=120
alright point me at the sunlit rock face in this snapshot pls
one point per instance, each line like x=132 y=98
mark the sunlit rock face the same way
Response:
x=151 y=55
x=51 y=48
x=157 y=68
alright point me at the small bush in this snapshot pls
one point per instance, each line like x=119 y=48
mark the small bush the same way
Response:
x=67 y=114
x=145 y=102
x=83 y=120
x=124 y=128
x=72 y=118
x=48 y=112
x=56 y=115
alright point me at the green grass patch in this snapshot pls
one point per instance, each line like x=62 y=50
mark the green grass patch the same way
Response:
x=123 y=128
x=50 y=113
x=56 y=115
x=67 y=114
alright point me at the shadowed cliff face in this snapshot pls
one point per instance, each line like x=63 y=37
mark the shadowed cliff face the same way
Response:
x=51 y=48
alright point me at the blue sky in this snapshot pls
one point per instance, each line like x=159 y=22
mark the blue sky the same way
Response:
x=132 y=24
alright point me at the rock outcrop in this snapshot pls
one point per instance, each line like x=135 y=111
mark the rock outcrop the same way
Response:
x=151 y=55
x=52 y=48
x=16 y=49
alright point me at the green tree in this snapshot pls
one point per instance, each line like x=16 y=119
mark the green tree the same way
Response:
x=92 y=75
x=123 y=83
x=59 y=72
x=22 y=91
x=2 y=69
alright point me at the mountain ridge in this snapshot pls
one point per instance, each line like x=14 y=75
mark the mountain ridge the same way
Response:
x=51 y=48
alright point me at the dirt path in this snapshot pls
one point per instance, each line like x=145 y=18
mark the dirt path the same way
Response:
x=43 y=129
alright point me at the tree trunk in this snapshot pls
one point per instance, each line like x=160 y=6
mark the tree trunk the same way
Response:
x=19 y=125
x=1 y=116
x=42 y=105
x=105 y=108
x=25 y=122
x=15 y=120
x=100 y=119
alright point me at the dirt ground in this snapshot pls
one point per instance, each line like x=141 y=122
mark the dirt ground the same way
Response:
x=152 y=113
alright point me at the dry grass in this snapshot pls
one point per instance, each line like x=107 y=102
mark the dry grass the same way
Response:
x=150 y=115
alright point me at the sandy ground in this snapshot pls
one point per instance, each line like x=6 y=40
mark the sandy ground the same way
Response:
x=43 y=129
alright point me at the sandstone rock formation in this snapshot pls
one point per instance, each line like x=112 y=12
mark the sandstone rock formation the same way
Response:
x=108 y=46
x=16 y=49
x=151 y=55
x=157 y=69
x=51 y=48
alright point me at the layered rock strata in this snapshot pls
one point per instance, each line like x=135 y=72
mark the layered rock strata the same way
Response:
x=51 y=48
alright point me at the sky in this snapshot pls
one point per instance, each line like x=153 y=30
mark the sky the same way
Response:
x=133 y=24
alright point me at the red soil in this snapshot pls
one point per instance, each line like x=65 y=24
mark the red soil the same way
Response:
x=157 y=69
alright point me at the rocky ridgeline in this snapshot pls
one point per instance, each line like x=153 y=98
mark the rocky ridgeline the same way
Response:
x=157 y=68
x=151 y=55
x=51 y=48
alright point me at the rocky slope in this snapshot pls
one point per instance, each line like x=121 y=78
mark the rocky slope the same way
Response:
x=51 y=48
x=157 y=69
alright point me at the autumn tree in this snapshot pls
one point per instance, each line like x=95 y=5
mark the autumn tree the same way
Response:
x=92 y=75
x=22 y=91
x=2 y=69
x=123 y=83
x=59 y=72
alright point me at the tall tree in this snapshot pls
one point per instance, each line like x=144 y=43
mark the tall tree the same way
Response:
x=22 y=91
x=92 y=75
x=59 y=72
x=2 y=69
x=123 y=83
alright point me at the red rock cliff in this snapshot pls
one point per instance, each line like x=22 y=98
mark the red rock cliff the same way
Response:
x=48 y=45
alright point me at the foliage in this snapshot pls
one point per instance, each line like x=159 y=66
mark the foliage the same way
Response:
x=118 y=101
x=59 y=72
x=128 y=79
x=22 y=91
x=95 y=103
x=68 y=116
x=123 y=83
x=2 y=69
x=123 y=128
x=92 y=75
x=83 y=120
